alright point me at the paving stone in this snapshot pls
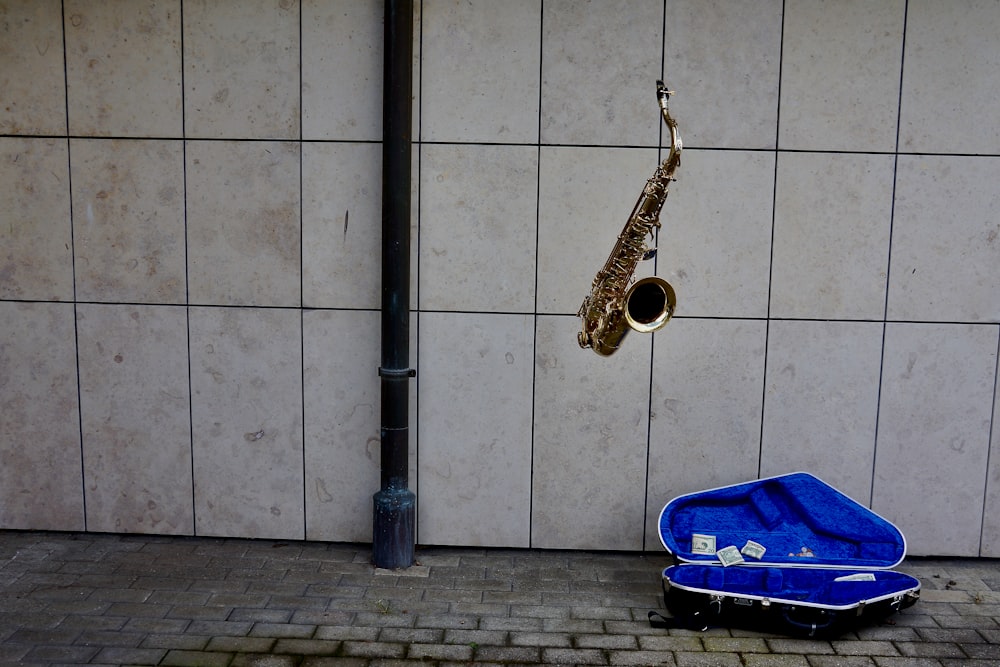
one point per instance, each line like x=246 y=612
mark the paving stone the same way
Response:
x=930 y=649
x=769 y=660
x=130 y=656
x=261 y=615
x=264 y=660
x=278 y=630
x=478 y=637
x=670 y=642
x=803 y=646
x=240 y=644
x=307 y=646
x=429 y=652
x=80 y=654
x=982 y=651
x=214 y=628
x=687 y=659
x=845 y=647
x=889 y=661
x=111 y=638
x=196 y=659
x=605 y=641
x=411 y=635
x=206 y=613
x=347 y=632
x=373 y=650
x=649 y=658
x=735 y=645
x=180 y=642
x=540 y=639
x=841 y=661
x=578 y=625
x=509 y=623
x=507 y=654
x=574 y=656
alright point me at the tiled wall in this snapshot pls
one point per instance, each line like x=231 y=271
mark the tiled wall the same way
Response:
x=189 y=264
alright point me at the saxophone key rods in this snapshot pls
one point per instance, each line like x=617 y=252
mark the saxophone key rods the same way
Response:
x=615 y=304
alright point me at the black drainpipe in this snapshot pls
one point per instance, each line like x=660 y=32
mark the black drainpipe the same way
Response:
x=394 y=516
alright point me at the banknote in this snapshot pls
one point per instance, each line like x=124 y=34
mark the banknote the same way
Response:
x=729 y=556
x=858 y=576
x=702 y=544
x=753 y=550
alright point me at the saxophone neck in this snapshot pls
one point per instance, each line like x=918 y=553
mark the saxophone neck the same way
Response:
x=663 y=96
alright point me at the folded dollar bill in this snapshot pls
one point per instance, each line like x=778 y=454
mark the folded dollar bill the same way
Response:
x=753 y=550
x=859 y=576
x=702 y=544
x=729 y=556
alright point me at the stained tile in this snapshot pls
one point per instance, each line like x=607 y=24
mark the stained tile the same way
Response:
x=821 y=402
x=949 y=101
x=241 y=69
x=36 y=260
x=590 y=426
x=246 y=383
x=341 y=225
x=342 y=444
x=832 y=219
x=705 y=410
x=722 y=59
x=123 y=68
x=464 y=48
x=840 y=71
x=714 y=246
x=342 y=70
x=945 y=240
x=599 y=71
x=41 y=479
x=136 y=431
x=244 y=237
x=128 y=200
x=585 y=198
x=477 y=231
x=33 y=77
x=475 y=429
x=933 y=434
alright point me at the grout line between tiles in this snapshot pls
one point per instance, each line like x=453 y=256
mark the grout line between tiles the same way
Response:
x=888 y=260
x=538 y=220
x=72 y=247
x=302 y=317
x=770 y=261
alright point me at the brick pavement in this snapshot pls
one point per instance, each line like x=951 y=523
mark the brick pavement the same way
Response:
x=143 y=600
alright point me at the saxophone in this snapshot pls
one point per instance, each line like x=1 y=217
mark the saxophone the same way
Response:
x=613 y=306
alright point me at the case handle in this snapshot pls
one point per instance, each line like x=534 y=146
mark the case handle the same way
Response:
x=810 y=626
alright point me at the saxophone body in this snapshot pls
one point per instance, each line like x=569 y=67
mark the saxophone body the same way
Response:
x=615 y=304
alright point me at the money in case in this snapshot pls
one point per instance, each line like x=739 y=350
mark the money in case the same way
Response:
x=788 y=554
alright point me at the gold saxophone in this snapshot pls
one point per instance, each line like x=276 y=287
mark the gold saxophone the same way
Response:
x=613 y=306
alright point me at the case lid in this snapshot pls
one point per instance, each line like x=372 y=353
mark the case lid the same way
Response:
x=790 y=520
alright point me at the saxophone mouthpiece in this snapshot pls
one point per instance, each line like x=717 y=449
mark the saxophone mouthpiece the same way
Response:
x=662 y=93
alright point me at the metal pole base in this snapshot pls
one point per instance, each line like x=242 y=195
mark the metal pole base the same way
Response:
x=393 y=532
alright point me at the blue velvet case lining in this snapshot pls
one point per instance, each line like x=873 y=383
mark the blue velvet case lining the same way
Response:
x=799 y=520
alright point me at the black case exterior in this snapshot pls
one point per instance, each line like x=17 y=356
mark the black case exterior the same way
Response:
x=782 y=594
x=697 y=610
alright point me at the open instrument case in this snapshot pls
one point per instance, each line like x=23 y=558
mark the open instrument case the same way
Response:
x=787 y=554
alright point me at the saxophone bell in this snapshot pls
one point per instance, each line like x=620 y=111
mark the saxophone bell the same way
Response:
x=649 y=304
